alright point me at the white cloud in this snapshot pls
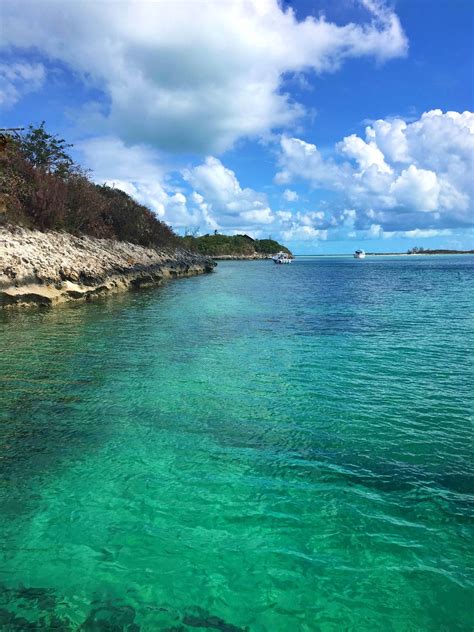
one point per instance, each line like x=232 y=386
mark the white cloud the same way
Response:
x=411 y=176
x=310 y=218
x=289 y=195
x=417 y=189
x=375 y=231
x=18 y=79
x=211 y=196
x=365 y=154
x=227 y=203
x=389 y=137
x=232 y=208
x=108 y=157
x=426 y=234
x=205 y=211
x=138 y=171
x=194 y=76
x=301 y=160
x=301 y=226
x=304 y=233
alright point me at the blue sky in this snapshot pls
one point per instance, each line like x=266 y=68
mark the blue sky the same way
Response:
x=326 y=125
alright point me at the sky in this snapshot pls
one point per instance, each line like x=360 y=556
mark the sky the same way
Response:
x=328 y=125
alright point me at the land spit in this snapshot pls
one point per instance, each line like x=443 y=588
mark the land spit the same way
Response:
x=48 y=268
x=253 y=257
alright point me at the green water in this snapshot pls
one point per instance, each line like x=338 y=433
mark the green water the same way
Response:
x=270 y=448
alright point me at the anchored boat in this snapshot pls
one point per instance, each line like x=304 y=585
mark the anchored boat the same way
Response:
x=281 y=257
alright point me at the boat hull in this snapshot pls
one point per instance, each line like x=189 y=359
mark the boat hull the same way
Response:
x=359 y=254
x=281 y=257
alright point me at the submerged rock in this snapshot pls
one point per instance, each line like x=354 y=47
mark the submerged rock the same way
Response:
x=48 y=268
x=199 y=618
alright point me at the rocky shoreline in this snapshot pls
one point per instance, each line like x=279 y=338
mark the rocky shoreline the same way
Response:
x=49 y=268
x=253 y=257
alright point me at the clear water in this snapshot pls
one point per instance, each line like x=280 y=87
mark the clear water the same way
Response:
x=270 y=448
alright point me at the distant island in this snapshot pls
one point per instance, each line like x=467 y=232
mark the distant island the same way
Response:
x=437 y=251
x=424 y=251
x=220 y=246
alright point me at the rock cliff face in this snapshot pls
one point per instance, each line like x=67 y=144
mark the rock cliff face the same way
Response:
x=49 y=268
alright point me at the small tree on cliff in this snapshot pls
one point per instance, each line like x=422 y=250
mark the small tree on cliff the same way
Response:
x=47 y=151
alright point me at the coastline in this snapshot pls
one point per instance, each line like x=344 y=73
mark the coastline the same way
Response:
x=418 y=254
x=393 y=254
x=49 y=268
x=253 y=257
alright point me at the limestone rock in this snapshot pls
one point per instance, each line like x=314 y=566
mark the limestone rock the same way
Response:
x=48 y=268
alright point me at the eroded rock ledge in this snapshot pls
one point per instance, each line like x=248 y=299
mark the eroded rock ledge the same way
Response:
x=50 y=268
x=257 y=256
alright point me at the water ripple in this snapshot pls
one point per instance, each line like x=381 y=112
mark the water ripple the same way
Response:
x=258 y=449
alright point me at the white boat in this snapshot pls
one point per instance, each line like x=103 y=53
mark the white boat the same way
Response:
x=281 y=257
x=359 y=254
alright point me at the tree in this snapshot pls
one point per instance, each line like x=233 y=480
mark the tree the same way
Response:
x=191 y=232
x=47 y=151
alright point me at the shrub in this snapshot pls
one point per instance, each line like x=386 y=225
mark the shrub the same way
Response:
x=41 y=187
x=47 y=151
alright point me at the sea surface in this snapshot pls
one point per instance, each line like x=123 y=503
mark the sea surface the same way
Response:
x=265 y=448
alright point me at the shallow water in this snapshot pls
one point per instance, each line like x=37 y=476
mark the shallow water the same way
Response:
x=271 y=448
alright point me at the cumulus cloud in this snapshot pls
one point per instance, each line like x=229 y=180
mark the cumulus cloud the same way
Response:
x=18 y=79
x=290 y=196
x=301 y=226
x=365 y=154
x=404 y=175
x=418 y=233
x=304 y=233
x=390 y=138
x=375 y=231
x=301 y=160
x=417 y=189
x=225 y=205
x=207 y=197
x=194 y=76
x=137 y=170
x=226 y=202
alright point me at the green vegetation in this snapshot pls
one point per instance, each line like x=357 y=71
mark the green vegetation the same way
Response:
x=437 y=251
x=46 y=151
x=41 y=187
x=218 y=245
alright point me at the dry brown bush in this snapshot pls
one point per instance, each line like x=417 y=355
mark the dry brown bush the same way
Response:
x=34 y=196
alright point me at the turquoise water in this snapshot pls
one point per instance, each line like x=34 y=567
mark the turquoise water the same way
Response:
x=266 y=448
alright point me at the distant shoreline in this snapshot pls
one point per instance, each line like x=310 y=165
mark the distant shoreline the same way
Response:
x=425 y=252
x=398 y=254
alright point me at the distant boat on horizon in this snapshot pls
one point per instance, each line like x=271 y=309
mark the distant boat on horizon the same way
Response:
x=359 y=254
